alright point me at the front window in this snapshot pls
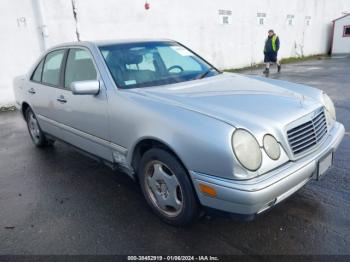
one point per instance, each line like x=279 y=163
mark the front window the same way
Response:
x=79 y=67
x=153 y=64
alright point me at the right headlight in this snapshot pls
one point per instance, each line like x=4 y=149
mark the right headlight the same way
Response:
x=246 y=149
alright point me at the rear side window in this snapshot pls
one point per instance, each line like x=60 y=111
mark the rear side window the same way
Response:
x=79 y=67
x=52 y=68
x=37 y=73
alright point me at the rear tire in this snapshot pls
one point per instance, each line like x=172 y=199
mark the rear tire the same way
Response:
x=167 y=187
x=38 y=137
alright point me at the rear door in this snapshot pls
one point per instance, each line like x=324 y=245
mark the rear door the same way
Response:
x=42 y=91
x=84 y=118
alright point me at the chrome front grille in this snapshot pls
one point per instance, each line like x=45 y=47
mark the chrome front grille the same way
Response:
x=308 y=134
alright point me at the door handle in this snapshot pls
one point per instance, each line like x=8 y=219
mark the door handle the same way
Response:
x=61 y=99
x=31 y=91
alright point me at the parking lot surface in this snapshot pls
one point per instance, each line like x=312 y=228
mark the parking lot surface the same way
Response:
x=57 y=201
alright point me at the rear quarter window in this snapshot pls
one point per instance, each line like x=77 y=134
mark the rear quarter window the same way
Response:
x=36 y=76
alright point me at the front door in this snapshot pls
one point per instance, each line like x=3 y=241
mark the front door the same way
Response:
x=84 y=118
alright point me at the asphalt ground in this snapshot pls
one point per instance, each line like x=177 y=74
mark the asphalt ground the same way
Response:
x=57 y=201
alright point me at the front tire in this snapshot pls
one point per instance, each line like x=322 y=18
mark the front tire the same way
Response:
x=37 y=135
x=167 y=187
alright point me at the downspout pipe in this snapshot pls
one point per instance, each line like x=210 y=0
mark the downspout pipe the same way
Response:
x=42 y=22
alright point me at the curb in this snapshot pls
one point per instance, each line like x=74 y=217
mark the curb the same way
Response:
x=7 y=108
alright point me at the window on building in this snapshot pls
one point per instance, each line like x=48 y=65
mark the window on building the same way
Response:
x=307 y=20
x=261 y=18
x=290 y=19
x=346 y=32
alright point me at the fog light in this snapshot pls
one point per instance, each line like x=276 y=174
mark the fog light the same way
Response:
x=207 y=190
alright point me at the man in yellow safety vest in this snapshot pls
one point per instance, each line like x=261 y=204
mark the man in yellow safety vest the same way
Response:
x=272 y=45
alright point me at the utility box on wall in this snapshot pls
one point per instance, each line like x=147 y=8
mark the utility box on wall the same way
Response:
x=341 y=35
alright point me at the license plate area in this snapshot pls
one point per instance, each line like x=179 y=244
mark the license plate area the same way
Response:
x=324 y=164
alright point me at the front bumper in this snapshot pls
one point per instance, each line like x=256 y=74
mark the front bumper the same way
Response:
x=251 y=197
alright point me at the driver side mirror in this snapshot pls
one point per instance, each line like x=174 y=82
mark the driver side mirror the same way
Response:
x=89 y=87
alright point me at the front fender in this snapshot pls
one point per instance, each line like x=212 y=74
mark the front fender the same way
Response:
x=202 y=143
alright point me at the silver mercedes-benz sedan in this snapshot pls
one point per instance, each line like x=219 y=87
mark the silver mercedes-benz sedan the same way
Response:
x=194 y=138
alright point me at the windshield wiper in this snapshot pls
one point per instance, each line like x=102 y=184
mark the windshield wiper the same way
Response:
x=205 y=73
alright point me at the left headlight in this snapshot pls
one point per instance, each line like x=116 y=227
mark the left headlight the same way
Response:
x=329 y=105
x=246 y=149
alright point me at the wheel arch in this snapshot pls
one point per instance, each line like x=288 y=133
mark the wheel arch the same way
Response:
x=147 y=143
x=24 y=108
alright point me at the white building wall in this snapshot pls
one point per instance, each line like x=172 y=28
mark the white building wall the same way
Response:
x=18 y=41
x=194 y=23
x=341 y=45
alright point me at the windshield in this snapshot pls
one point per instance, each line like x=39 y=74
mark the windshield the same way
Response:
x=153 y=64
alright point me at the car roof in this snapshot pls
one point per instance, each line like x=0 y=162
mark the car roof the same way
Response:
x=109 y=42
x=130 y=41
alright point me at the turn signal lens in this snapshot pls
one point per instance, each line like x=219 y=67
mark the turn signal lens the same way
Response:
x=207 y=190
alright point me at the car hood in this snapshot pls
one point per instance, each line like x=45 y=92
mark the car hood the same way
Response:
x=237 y=100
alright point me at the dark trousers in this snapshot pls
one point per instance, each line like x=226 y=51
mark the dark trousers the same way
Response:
x=270 y=57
